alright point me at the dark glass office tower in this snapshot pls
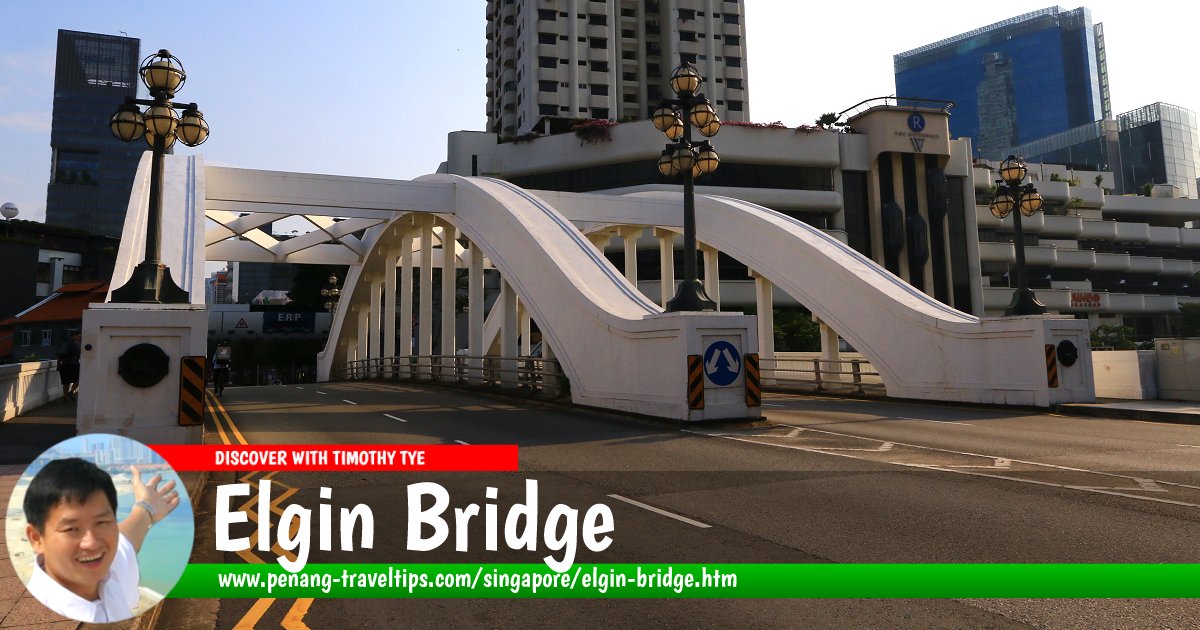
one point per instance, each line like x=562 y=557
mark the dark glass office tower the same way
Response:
x=91 y=172
x=1015 y=81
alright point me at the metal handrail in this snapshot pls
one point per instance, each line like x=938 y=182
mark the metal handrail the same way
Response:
x=826 y=374
x=522 y=372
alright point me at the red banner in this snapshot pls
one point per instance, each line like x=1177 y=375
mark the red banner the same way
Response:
x=340 y=457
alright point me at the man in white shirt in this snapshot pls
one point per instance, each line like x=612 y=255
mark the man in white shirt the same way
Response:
x=86 y=562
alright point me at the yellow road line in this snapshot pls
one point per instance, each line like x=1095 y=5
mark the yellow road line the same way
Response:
x=294 y=619
x=256 y=612
x=217 y=416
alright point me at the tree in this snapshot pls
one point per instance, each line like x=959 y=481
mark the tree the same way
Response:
x=1191 y=319
x=1113 y=337
x=795 y=331
x=827 y=121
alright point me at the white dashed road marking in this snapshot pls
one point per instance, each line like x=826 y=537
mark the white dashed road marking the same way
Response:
x=663 y=512
x=388 y=415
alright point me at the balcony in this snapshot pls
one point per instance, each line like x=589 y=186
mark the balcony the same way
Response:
x=1062 y=225
x=1075 y=259
x=1126 y=303
x=1041 y=256
x=1145 y=264
x=1098 y=230
x=1189 y=237
x=1112 y=262
x=1164 y=236
x=1133 y=232
x=1172 y=267
x=1160 y=303
x=997 y=252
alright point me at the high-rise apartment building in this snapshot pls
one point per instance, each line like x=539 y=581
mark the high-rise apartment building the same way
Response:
x=608 y=60
x=1014 y=81
x=91 y=172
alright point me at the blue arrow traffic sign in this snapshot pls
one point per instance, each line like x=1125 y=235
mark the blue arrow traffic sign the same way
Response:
x=722 y=363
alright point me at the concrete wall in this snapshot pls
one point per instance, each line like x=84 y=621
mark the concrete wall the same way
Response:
x=1178 y=368
x=27 y=386
x=1128 y=374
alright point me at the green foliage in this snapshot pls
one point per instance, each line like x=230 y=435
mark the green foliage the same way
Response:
x=826 y=121
x=1099 y=180
x=795 y=331
x=1114 y=337
x=1147 y=189
x=1191 y=318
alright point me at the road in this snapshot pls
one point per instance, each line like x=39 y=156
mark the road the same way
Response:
x=824 y=480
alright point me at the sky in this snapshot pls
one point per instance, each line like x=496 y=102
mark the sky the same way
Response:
x=372 y=88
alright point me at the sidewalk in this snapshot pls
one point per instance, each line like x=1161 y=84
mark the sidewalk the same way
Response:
x=22 y=439
x=1176 y=412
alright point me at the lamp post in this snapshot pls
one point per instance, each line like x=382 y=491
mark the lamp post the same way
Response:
x=163 y=74
x=1010 y=194
x=331 y=294
x=676 y=118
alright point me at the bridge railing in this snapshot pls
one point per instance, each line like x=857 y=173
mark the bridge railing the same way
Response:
x=27 y=386
x=532 y=374
x=853 y=375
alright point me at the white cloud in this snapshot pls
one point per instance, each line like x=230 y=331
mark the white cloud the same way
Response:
x=36 y=122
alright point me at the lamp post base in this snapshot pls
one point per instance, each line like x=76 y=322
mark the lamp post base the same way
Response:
x=690 y=297
x=1024 y=302
x=150 y=283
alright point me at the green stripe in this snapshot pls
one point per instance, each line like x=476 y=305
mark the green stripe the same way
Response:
x=752 y=581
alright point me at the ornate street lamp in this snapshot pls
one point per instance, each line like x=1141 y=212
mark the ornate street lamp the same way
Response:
x=676 y=118
x=331 y=294
x=159 y=124
x=1010 y=194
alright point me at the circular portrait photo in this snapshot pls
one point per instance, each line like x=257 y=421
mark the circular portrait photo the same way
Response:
x=99 y=528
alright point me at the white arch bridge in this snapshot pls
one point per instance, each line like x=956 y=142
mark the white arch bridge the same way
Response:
x=616 y=346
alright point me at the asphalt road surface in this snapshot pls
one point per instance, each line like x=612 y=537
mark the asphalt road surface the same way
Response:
x=823 y=480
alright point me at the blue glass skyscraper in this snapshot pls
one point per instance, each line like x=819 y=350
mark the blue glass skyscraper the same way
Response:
x=1015 y=81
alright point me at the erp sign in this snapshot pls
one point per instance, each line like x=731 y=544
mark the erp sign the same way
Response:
x=722 y=363
x=275 y=322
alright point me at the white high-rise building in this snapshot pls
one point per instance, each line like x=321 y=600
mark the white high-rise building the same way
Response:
x=609 y=60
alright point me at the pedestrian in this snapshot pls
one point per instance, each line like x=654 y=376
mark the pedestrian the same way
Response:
x=68 y=366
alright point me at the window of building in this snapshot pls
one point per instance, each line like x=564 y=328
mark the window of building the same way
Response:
x=547 y=110
x=547 y=38
x=599 y=66
x=687 y=14
x=732 y=18
x=547 y=62
x=629 y=98
x=510 y=86
x=599 y=90
x=547 y=14
x=598 y=20
x=629 y=76
x=735 y=84
x=687 y=36
x=687 y=57
x=581 y=39
x=564 y=84
x=628 y=13
x=628 y=33
x=73 y=167
x=582 y=109
x=733 y=40
x=23 y=338
x=583 y=62
x=629 y=54
x=547 y=86
x=564 y=108
x=597 y=42
x=733 y=62
x=600 y=112
x=563 y=62
x=735 y=106
x=47 y=337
